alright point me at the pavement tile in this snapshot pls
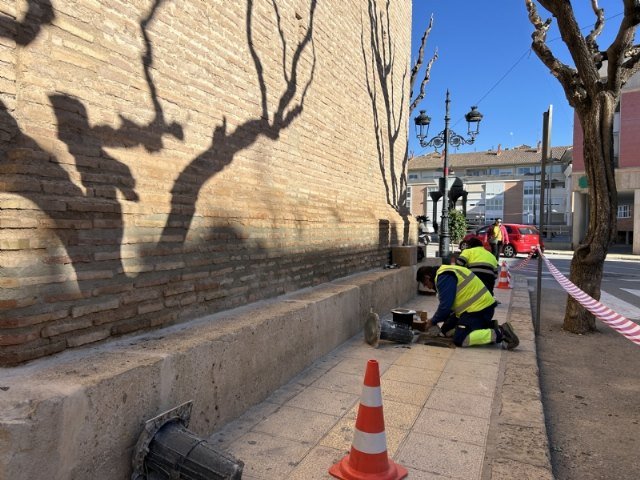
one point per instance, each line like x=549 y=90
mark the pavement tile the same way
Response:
x=267 y=457
x=455 y=366
x=418 y=376
x=242 y=425
x=386 y=352
x=419 y=475
x=315 y=466
x=457 y=402
x=297 y=424
x=341 y=382
x=324 y=401
x=347 y=365
x=340 y=436
x=404 y=392
x=452 y=426
x=467 y=384
x=486 y=354
x=441 y=456
x=411 y=359
x=399 y=415
x=286 y=392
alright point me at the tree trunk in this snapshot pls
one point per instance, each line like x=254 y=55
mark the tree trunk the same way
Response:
x=588 y=261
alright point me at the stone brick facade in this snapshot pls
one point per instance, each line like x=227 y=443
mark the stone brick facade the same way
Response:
x=164 y=160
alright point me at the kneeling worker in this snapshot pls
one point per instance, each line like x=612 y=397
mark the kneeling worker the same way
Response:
x=466 y=307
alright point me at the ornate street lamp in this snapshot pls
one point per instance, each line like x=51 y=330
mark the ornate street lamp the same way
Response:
x=445 y=138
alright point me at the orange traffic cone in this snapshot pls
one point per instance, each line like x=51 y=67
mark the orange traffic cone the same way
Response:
x=504 y=280
x=368 y=458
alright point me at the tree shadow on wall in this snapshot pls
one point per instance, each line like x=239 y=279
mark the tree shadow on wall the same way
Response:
x=388 y=118
x=103 y=177
x=226 y=144
x=39 y=12
x=38 y=176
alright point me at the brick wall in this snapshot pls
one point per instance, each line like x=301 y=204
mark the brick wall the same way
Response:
x=163 y=160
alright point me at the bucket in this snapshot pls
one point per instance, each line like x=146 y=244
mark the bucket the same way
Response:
x=403 y=316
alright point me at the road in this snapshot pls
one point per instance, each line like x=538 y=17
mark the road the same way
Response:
x=620 y=287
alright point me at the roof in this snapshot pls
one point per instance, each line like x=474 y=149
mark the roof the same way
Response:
x=521 y=155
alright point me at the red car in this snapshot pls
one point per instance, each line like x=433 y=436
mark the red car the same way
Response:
x=522 y=239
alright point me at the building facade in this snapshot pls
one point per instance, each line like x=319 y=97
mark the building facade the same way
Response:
x=627 y=170
x=163 y=161
x=502 y=183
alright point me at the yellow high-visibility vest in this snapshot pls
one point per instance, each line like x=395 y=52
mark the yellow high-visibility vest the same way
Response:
x=479 y=260
x=471 y=294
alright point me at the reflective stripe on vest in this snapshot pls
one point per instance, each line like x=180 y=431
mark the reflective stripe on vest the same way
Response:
x=477 y=259
x=471 y=294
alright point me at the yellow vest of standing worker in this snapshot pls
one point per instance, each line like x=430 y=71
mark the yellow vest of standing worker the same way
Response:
x=471 y=294
x=480 y=260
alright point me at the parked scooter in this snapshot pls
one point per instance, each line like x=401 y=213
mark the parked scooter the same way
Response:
x=424 y=235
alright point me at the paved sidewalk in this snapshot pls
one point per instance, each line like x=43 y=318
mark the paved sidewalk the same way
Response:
x=449 y=412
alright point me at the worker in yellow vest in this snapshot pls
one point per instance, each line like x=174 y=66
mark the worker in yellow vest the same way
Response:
x=480 y=261
x=465 y=307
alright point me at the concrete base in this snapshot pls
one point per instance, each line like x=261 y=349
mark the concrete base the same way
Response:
x=79 y=414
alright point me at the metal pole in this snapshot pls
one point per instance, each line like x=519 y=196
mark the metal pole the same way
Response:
x=549 y=235
x=546 y=148
x=444 y=224
x=535 y=181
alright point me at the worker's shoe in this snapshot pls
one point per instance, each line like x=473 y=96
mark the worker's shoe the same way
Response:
x=509 y=337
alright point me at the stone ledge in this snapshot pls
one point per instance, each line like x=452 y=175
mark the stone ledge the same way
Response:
x=79 y=414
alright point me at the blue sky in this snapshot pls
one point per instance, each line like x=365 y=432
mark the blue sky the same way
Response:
x=485 y=59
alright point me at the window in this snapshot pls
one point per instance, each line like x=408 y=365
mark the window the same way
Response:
x=413 y=176
x=495 y=203
x=476 y=172
x=531 y=188
x=527 y=170
x=624 y=211
x=531 y=203
x=557 y=184
x=500 y=171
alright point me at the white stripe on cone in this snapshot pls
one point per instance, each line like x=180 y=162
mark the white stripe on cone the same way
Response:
x=371 y=396
x=369 y=443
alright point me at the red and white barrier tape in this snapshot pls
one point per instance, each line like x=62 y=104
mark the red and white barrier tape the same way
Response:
x=523 y=263
x=616 y=321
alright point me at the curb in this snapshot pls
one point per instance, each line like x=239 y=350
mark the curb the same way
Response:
x=517 y=444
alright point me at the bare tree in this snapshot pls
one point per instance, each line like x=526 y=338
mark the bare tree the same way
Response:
x=594 y=97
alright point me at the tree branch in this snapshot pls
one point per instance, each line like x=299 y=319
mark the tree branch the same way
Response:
x=423 y=84
x=596 y=31
x=566 y=75
x=621 y=45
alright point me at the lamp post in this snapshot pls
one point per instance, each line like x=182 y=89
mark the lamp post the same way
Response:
x=445 y=138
